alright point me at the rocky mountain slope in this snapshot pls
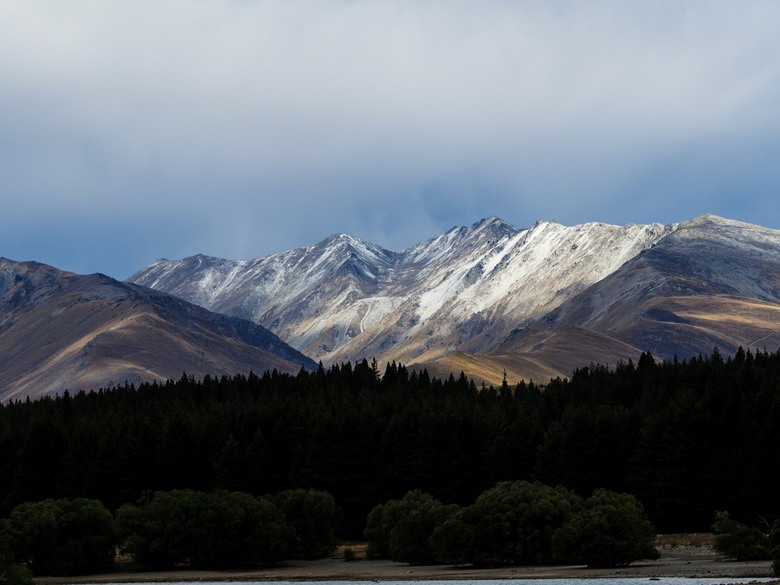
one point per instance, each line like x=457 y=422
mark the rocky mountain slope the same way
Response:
x=535 y=302
x=710 y=283
x=61 y=331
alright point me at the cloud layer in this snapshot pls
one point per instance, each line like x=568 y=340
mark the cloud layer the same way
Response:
x=131 y=130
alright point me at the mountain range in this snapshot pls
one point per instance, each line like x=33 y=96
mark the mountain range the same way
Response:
x=62 y=331
x=490 y=300
x=494 y=300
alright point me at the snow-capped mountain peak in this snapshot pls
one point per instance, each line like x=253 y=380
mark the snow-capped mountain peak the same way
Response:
x=343 y=298
x=480 y=290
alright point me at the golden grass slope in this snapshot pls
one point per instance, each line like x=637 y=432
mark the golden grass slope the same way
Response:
x=60 y=332
x=698 y=323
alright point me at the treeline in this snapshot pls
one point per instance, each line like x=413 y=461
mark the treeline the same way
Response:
x=215 y=530
x=513 y=523
x=687 y=438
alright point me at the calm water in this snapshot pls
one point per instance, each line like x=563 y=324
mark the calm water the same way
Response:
x=610 y=581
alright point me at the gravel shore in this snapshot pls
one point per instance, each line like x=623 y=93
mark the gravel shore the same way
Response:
x=675 y=561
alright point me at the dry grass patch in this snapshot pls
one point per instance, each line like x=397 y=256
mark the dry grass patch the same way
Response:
x=358 y=547
x=692 y=539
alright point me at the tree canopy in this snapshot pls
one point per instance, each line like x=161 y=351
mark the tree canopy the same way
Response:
x=62 y=537
x=514 y=523
x=214 y=530
x=687 y=438
x=610 y=530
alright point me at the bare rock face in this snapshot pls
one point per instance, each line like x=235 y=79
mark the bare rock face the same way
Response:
x=61 y=331
x=534 y=302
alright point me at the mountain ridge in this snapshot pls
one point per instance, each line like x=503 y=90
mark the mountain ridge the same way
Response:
x=60 y=330
x=411 y=287
x=533 y=302
x=474 y=290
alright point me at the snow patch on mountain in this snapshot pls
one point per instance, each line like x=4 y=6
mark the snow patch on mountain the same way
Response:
x=344 y=298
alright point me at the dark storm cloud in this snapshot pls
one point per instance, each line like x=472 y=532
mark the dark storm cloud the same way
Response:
x=245 y=128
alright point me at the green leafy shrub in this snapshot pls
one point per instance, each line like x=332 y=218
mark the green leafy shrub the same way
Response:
x=455 y=541
x=11 y=571
x=739 y=541
x=311 y=516
x=774 y=547
x=511 y=523
x=217 y=530
x=401 y=529
x=378 y=526
x=63 y=537
x=15 y=574
x=611 y=530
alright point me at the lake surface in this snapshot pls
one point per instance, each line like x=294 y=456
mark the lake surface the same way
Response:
x=594 y=581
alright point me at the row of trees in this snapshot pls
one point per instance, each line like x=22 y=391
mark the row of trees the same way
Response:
x=687 y=438
x=217 y=530
x=513 y=523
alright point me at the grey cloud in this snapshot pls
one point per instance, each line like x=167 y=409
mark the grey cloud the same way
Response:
x=267 y=125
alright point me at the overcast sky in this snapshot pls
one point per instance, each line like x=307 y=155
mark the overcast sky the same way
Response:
x=133 y=130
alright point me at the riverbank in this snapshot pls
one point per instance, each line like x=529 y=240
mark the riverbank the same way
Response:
x=676 y=561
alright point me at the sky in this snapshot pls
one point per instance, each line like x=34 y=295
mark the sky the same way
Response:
x=131 y=131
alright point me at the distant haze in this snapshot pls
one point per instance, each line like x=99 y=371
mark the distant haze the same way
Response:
x=239 y=129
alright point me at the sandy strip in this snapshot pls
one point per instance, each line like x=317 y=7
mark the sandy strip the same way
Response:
x=679 y=561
